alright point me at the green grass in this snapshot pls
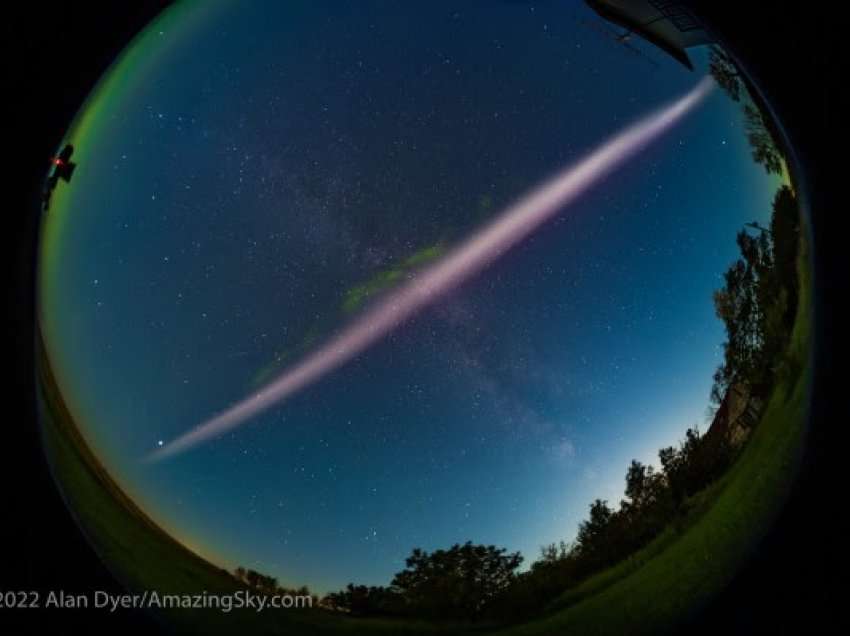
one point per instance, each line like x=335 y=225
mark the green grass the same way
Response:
x=646 y=593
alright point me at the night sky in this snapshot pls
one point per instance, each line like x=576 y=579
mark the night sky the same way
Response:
x=252 y=175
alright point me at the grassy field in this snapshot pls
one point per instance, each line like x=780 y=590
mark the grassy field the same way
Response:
x=647 y=593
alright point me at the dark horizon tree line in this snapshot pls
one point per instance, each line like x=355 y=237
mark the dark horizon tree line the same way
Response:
x=264 y=584
x=762 y=132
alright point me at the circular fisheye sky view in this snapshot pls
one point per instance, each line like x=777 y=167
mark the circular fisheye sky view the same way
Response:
x=275 y=209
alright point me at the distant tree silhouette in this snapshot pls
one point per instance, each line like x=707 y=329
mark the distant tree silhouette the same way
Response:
x=593 y=533
x=269 y=584
x=252 y=578
x=637 y=484
x=785 y=235
x=265 y=584
x=737 y=305
x=725 y=72
x=762 y=134
x=762 y=141
x=554 y=552
x=684 y=468
x=758 y=301
x=456 y=582
x=362 y=600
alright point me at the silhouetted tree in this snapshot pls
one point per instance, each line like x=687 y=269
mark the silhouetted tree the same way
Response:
x=682 y=469
x=362 y=600
x=762 y=134
x=758 y=301
x=785 y=234
x=554 y=552
x=762 y=141
x=737 y=305
x=457 y=582
x=593 y=533
x=725 y=72
x=252 y=578
x=266 y=584
x=636 y=484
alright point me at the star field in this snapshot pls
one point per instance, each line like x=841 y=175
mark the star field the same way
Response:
x=274 y=158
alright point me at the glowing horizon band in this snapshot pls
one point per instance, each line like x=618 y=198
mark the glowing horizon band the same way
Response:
x=461 y=263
